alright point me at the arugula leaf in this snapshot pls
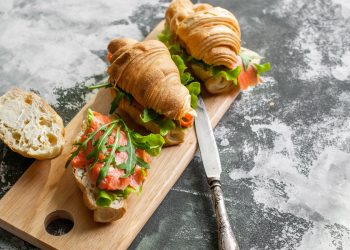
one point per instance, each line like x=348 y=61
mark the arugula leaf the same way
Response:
x=104 y=170
x=120 y=95
x=100 y=86
x=261 y=68
x=142 y=163
x=125 y=94
x=84 y=144
x=149 y=115
x=100 y=144
x=116 y=101
x=165 y=126
x=152 y=143
x=131 y=161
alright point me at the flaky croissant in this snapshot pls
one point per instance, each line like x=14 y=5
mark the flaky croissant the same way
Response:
x=146 y=71
x=208 y=33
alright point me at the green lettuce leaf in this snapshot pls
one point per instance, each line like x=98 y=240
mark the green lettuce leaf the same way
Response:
x=249 y=57
x=179 y=57
x=186 y=78
x=166 y=126
x=104 y=198
x=149 y=115
x=195 y=89
x=152 y=143
x=262 y=68
x=228 y=74
x=179 y=63
x=165 y=36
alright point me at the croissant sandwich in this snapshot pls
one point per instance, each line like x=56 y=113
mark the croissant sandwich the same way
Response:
x=208 y=40
x=109 y=162
x=149 y=88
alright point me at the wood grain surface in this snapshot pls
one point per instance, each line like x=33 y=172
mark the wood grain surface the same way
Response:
x=47 y=187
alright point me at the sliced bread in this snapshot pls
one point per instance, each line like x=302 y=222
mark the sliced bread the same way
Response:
x=101 y=214
x=29 y=126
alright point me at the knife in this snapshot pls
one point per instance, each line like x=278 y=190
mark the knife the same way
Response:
x=212 y=166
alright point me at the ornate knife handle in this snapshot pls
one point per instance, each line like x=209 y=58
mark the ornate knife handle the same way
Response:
x=227 y=240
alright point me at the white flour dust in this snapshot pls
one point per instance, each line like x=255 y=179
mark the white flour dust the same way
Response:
x=306 y=170
x=221 y=133
x=48 y=44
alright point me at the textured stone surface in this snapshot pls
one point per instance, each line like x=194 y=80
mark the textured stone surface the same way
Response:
x=284 y=145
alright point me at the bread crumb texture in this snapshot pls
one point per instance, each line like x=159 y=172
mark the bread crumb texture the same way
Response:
x=29 y=126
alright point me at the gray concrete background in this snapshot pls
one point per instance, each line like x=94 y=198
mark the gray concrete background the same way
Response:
x=284 y=145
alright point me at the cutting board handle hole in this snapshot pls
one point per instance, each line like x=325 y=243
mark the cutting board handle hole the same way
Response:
x=59 y=222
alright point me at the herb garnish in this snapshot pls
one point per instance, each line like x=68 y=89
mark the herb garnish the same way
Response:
x=151 y=143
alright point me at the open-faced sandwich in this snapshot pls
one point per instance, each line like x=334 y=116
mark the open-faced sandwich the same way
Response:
x=109 y=162
x=207 y=39
x=149 y=89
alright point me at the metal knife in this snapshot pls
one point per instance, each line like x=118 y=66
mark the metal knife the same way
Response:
x=212 y=166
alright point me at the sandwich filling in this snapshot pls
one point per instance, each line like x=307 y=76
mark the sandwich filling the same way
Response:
x=115 y=158
x=145 y=116
x=244 y=73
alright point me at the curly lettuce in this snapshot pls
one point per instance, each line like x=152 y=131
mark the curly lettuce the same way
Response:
x=165 y=125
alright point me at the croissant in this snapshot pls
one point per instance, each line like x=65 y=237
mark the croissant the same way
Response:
x=211 y=34
x=146 y=71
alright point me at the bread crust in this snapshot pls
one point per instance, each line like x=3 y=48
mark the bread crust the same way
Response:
x=146 y=71
x=29 y=126
x=208 y=33
x=101 y=214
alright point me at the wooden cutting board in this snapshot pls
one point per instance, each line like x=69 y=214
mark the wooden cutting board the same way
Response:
x=47 y=190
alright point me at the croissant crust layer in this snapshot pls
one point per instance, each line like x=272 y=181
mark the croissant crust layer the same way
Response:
x=147 y=72
x=208 y=33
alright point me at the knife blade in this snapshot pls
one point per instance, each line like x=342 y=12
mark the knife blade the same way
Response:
x=207 y=143
x=212 y=166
